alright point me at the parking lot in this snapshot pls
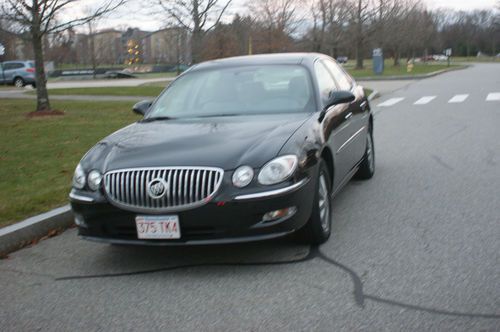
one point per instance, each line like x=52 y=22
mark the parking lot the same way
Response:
x=415 y=248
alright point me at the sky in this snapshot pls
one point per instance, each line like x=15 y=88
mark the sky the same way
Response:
x=138 y=14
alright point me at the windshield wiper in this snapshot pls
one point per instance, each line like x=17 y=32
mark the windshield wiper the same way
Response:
x=157 y=118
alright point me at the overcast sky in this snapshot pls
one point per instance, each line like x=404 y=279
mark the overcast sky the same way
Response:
x=136 y=14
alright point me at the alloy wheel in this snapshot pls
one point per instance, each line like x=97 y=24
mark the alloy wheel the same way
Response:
x=369 y=153
x=19 y=83
x=324 y=203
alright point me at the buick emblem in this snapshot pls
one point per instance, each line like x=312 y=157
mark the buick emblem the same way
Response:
x=157 y=188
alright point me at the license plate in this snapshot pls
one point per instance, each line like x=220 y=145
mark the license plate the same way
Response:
x=158 y=227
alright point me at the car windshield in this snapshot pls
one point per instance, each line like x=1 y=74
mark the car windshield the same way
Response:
x=265 y=89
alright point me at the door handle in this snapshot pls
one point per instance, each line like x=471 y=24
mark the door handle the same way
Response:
x=363 y=105
x=348 y=116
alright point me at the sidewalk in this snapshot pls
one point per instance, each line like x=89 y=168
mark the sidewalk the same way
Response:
x=22 y=95
x=105 y=83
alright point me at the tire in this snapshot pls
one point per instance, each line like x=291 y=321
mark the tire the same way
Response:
x=367 y=166
x=317 y=230
x=19 y=82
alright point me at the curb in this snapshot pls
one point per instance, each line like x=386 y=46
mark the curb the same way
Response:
x=374 y=95
x=23 y=233
x=411 y=77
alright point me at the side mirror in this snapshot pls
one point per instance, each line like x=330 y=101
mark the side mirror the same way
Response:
x=340 y=97
x=142 y=107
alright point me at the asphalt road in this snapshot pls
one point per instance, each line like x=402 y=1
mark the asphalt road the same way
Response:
x=417 y=248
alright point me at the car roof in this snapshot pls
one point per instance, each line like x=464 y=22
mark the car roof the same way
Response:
x=17 y=61
x=260 y=59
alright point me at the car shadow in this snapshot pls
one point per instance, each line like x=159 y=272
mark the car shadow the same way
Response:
x=116 y=261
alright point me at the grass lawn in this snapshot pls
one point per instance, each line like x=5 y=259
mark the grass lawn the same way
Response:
x=390 y=70
x=142 y=90
x=162 y=84
x=38 y=155
x=475 y=59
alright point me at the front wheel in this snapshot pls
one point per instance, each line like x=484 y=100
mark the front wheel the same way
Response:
x=367 y=166
x=317 y=230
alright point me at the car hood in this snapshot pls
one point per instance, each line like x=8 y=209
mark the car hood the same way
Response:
x=225 y=142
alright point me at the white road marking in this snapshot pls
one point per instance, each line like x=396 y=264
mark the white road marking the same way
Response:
x=390 y=102
x=424 y=100
x=493 y=96
x=458 y=98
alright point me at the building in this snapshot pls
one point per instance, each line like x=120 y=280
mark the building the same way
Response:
x=107 y=46
x=169 y=46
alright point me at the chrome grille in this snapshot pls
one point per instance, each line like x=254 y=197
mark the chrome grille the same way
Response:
x=184 y=187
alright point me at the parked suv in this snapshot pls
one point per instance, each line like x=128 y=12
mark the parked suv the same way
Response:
x=18 y=73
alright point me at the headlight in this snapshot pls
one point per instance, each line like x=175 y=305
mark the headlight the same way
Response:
x=242 y=176
x=278 y=170
x=79 y=178
x=94 y=180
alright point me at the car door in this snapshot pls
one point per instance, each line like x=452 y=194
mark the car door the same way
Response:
x=335 y=123
x=357 y=114
x=2 y=81
x=7 y=72
x=15 y=70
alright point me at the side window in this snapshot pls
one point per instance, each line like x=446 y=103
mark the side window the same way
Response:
x=326 y=83
x=7 y=66
x=17 y=65
x=340 y=76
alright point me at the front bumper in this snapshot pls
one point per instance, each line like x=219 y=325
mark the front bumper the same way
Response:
x=220 y=221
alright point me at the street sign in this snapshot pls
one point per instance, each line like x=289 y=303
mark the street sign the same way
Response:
x=2 y=50
x=447 y=52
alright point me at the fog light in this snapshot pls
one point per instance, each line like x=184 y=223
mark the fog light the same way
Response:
x=278 y=214
x=79 y=221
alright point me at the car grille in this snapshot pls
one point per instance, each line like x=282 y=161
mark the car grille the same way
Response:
x=139 y=189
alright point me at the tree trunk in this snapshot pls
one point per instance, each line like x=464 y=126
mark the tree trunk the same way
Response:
x=397 y=55
x=359 y=38
x=92 y=51
x=196 y=41
x=42 y=97
x=359 y=57
x=196 y=38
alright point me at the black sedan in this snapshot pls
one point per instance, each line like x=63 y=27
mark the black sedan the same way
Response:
x=240 y=149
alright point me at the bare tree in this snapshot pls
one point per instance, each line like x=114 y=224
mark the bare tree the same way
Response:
x=278 y=19
x=329 y=19
x=362 y=14
x=196 y=16
x=43 y=17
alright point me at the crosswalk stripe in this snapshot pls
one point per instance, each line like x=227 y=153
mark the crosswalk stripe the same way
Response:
x=458 y=98
x=390 y=102
x=493 y=96
x=424 y=100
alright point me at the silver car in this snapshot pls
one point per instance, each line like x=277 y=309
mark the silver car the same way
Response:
x=19 y=73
